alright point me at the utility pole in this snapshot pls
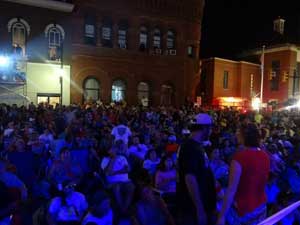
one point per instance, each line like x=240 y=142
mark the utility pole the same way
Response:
x=262 y=74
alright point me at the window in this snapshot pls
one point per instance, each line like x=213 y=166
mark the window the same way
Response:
x=166 y=94
x=275 y=75
x=91 y=90
x=106 y=33
x=190 y=51
x=90 y=30
x=19 y=30
x=55 y=35
x=122 y=34
x=296 y=80
x=118 y=91
x=157 y=39
x=170 y=40
x=143 y=93
x=225 y=80
x=143 y=38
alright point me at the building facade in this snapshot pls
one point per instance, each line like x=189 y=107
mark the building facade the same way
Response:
x=35 y=51
x=281 y=73
x=280 y=61
x=229 y=83
x=136 y=50
x=76 y=51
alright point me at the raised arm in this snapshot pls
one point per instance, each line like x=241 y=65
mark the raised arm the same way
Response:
x=234 y=179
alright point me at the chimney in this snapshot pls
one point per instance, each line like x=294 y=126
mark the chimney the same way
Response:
x=278 y=25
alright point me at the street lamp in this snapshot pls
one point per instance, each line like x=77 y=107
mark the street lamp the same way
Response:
x=61 y=75
x=4 y=61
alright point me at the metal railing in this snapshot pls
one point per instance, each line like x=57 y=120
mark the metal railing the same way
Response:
x=277 y=217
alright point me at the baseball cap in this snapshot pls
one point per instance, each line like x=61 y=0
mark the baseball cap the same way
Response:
x=172 y=138
x=203 y=119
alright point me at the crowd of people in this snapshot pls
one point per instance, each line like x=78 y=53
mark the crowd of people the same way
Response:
x=115 y=164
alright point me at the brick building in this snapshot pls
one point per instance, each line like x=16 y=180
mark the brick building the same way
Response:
x=34 y=34
x=233 y=79
x=229 y=83
x=136 y=50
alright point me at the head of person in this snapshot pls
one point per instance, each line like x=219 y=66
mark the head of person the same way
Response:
x=136 y=140
x=249 y=135
x=166 y=164
x=201 y=127
x=113 y=150
x=46 y=131
x=172 y=139
x=65 y=154
x=20 y=145
x=215 y=155
x=151 y=155
x=100 y=204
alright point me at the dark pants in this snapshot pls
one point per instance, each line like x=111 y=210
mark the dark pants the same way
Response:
x=189 y=217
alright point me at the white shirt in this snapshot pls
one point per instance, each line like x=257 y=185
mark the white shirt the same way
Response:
x=121 y=132
x=139 y=151
x=105 y=220
x=8 y=131
x=46 y=138
x=120 y=163
x=75 y=207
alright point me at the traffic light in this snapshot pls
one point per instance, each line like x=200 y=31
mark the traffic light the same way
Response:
x=285 y=76
x=272 y=75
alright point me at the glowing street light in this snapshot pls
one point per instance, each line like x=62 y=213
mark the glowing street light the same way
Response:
x=4 y=61
x=256 y=103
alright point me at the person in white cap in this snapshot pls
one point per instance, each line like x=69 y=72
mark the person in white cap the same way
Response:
x=196 y=188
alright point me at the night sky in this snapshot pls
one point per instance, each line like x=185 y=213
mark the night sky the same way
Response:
x=231 y=26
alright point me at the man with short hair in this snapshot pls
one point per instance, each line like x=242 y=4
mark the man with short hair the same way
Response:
x=196 y=192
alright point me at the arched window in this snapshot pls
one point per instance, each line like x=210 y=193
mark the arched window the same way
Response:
x=122 y=34
x=143 y=38
x=157 y=39
x=143 y=93
x=106 y=33
x=170 y=40
x=91 y=89
x=118 y=91
x=166 y=94
x=19 y=30
x=55 y=35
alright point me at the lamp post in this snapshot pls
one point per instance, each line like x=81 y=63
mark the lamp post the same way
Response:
x=61 y=71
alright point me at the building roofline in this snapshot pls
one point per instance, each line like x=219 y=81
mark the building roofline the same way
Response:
x=271 y=48
x=48 y=4
x=229 y=60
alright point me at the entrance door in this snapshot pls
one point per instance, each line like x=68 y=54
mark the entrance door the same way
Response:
x=51 y=99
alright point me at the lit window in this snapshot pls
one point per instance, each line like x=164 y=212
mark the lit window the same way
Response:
x=19 y=30
x=143 y=93
x=90 y=30
x=106 y=33
x=122 y=34
x=225 y=80
x=91 y=89
x=190 y=51
x=170 y=40
x=55 y=35
x=118 y=91
x=157 y=39
x=122 y=38
x=143 y=38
